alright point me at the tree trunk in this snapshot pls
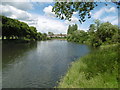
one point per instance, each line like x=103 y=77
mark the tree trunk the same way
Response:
x=2 y=37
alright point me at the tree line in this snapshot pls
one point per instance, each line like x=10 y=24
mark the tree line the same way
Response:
x=15 y=29
x=98 y=34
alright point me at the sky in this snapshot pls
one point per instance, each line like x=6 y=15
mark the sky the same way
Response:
x=40 y=15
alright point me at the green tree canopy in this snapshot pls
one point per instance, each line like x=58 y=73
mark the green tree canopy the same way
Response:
x=64 y=10
x=92 y=28
x=50 y=34
x=20 y=30
x=106 y=30
x=72 y=28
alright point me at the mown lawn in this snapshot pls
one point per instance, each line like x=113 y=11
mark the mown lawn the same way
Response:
x=98 y=69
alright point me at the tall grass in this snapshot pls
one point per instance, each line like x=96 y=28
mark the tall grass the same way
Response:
x=99 y=69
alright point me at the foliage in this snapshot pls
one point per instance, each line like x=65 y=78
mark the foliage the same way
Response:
x=0 y=28
x=92 y=28
x=72 y=28
x=50 y=34
x=99 y=69
x=19 y=30
x=106 y=30
x=97 y=22
x=64 y=10
x=77 y=36
x=98 y=34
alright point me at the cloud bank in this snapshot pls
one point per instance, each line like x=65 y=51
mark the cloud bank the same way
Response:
x=43 y=23
x=109 y=18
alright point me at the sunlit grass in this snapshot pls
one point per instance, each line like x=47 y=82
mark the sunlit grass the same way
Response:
x=99 y=69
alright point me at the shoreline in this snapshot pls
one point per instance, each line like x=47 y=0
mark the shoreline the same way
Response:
x=90 y=71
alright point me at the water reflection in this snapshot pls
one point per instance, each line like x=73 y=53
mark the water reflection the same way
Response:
x=38 y=65
x=11 y=51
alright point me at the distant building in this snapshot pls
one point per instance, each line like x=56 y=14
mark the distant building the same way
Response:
x=57 y=35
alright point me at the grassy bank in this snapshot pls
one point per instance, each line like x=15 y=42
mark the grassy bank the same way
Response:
x=99 y=69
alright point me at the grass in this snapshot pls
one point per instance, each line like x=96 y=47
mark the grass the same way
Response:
x=98 y=69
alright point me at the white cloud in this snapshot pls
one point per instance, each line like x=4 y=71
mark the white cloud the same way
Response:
x=75 y=13
x=115 y=22
x=112 y=9
x=84 y=29
x=109 y=18
x=14 y=0
x=81 y=27
x=27 y=0
x=73 y=20
x=103 y=10
x=15 y=13
x=45 y=24
x=32 y=22
x=90 y=13
x=48 y=11
x=19 y=4
x=98 y=13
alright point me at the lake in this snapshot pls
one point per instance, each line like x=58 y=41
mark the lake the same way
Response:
x=38 y=65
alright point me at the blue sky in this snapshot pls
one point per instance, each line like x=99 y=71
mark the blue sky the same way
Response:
x=40 y=15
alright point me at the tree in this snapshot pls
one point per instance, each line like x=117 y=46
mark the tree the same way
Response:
x=97 y=22
x=19 y=30
x=33 y=33
x=92 y=28
x=78 y=36
x=105 y=34
x=13 y=28
x=24 y=30
x=0 y=26
x=116 y=38
x=64 y=10
x=75 y=27
x=50 y=34
x=39 y=36
x=72 y=28
x=61 y=34
x=44 y=36
x=69 y=31
x=106 y=30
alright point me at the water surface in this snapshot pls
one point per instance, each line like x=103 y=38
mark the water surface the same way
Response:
x=38 y=65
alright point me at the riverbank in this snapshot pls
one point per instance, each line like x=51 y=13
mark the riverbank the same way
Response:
x=98 y=69
x=16 y=40
x=21 y=40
